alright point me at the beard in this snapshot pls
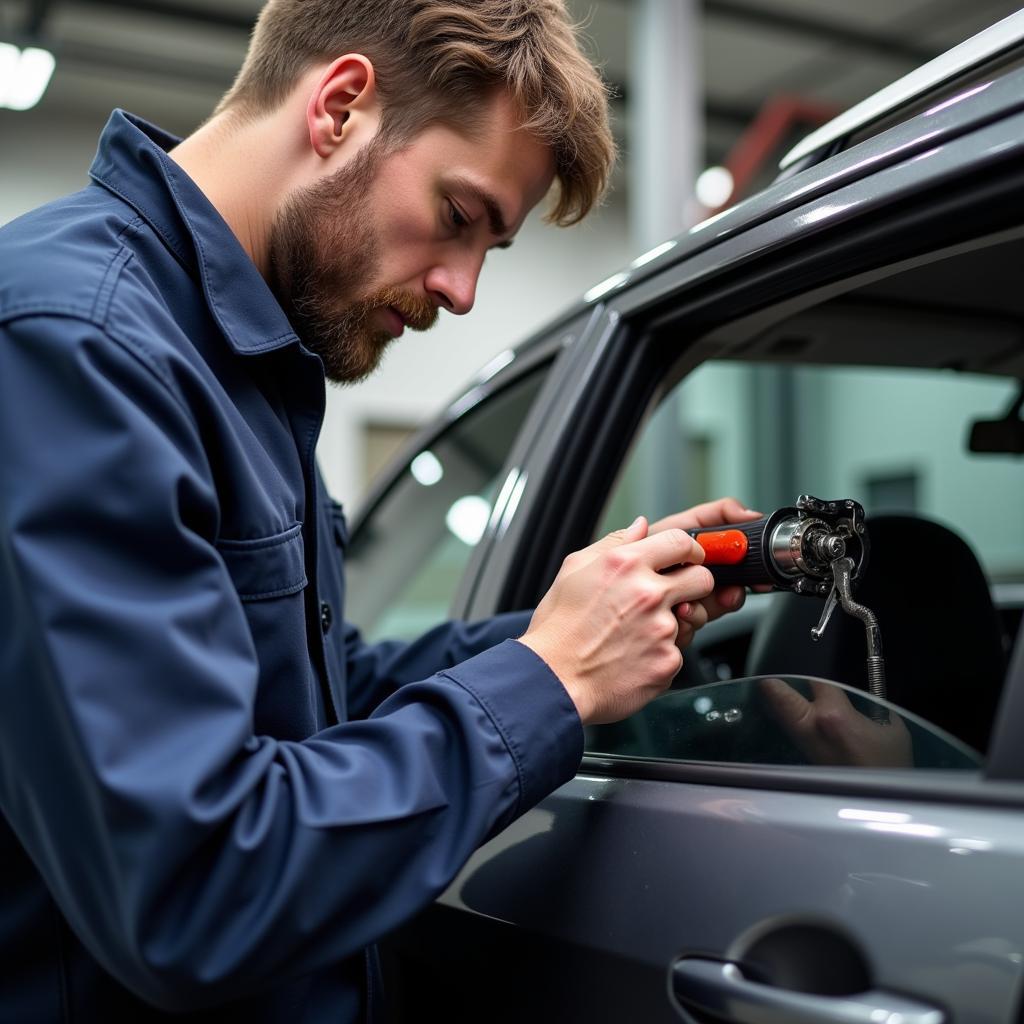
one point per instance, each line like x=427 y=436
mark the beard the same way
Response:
x=324 y=252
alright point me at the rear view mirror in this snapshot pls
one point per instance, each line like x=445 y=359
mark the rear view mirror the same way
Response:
x=1004 y=436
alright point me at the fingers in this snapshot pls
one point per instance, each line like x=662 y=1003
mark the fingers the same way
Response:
x=790 y=708
x=828 y=696
x=668 y=548
x=692 y=614
x=689 y=584
x=724 y=510
x=710 y=513
x=634 y=532
x=723 y=600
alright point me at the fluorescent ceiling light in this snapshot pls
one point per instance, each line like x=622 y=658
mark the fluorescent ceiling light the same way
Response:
x=467 y=518
x=24 y=75
x=427 y=468
x=714 y=187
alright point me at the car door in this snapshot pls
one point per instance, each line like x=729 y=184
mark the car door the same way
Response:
x=708 y=863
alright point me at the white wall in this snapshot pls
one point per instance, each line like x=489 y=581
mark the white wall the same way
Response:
x=42 y=158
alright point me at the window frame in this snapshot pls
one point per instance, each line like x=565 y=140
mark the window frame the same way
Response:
x=902 y=216
x=540 y=354
x=453 y=413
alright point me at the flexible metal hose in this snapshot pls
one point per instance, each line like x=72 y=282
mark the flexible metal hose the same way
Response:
x=843 y=570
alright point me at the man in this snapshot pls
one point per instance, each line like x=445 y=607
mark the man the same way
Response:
x=215 y=796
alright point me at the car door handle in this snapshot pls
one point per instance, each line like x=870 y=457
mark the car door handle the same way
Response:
x=719 y=988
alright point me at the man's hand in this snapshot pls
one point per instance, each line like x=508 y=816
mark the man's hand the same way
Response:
x=693 y=615
x=607 y=627
x=829 y=730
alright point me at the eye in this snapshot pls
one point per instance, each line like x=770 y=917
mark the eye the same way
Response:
x=456 y=217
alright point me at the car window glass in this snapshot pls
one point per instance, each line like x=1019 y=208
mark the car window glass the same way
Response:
x=770 y=720
x=405 y=561
x=947 y=557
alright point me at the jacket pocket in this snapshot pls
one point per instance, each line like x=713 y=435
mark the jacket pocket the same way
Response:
x=266 y=567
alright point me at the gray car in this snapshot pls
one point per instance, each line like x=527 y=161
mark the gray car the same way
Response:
x=757 y=846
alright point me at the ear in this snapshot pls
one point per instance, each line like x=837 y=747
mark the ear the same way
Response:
x=343 y=104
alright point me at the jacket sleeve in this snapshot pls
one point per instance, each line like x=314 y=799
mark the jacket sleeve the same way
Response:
x=196 y=860
x=375 y=671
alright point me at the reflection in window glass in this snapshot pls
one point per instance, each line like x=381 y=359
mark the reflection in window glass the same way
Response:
x=776 y=720
x=945 y=523
x=405 y=562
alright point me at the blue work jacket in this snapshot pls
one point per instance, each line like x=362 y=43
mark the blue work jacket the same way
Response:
x=215 y=796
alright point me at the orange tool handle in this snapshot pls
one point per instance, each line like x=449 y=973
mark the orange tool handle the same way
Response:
x=737 y=553
x=722 y=547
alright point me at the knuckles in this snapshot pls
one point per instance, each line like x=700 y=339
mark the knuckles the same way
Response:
x=831 y=724
x=570 y=562
x=669 y=663
x=620 y=562
x=692 y=552
x=649 y=596
x=661 y=629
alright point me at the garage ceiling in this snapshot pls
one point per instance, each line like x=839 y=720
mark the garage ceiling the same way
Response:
x=170 y=60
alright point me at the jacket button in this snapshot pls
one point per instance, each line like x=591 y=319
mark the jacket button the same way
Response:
x=326 y=617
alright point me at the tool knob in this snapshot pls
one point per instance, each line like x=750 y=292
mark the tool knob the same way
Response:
x=738 y=553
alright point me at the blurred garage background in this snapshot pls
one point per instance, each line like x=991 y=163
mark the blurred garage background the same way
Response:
x=718 y=86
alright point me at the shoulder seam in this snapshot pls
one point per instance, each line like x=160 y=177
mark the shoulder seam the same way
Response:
x=131 y=347
x=105 y=292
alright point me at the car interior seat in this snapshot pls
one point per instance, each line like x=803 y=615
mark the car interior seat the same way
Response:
x=941 y=635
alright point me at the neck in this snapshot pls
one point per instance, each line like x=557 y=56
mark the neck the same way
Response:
x=239 y=166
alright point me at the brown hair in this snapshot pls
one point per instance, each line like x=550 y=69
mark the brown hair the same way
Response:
x=435 y=60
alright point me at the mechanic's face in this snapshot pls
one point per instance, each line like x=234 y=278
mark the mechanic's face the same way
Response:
x=390 y=237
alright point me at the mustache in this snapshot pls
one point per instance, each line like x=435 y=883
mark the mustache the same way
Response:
x=418 y=312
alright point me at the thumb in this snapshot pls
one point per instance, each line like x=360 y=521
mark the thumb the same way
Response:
x=636 y=530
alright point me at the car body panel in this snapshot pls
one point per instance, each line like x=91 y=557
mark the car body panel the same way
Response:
x=660 y=871
x=979 y=106
x=580 y=908
x=996 y=39
x=935 y=166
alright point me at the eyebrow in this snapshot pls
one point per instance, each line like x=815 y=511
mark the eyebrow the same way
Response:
x=495 y=218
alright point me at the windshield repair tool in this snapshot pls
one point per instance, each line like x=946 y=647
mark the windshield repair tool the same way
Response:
x=815 y=547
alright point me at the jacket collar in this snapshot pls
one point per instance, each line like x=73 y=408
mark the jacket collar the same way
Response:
x=132 y=162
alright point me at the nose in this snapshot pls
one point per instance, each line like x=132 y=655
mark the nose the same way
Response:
x=453 y=285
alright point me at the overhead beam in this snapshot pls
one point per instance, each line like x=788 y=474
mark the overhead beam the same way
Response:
x=808 y=27
x=35 y=17
x=104 y=59
x=191 y=12
x=820 y=29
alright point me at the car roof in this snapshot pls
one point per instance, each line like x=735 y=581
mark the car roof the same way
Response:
x=975 y=107
x=993 y=41
x=808 y=181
